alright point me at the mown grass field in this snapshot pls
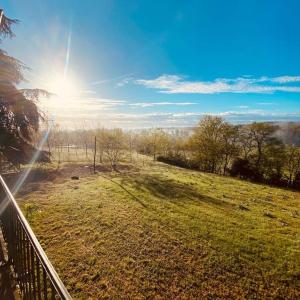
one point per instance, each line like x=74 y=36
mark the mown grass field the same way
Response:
x=160 y=232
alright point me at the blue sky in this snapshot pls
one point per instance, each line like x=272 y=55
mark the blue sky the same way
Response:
x=161 y=63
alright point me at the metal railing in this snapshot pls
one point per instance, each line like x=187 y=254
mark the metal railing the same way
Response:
x=34 y=273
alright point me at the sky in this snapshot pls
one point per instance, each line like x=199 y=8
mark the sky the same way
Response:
x=136 y=64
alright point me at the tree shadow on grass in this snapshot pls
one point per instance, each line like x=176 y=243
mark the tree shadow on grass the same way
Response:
x=128 y=192
x=170 y=190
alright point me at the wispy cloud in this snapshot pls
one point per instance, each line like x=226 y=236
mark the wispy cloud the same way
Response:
x=151 y=104
x=286 y=79
x=266 y=103
x=91 y=92
x=242 y=106
x=174 y=84
x=125 y=79
x=78 y=107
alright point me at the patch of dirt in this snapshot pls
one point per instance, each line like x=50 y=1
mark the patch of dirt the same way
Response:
x=37 y=177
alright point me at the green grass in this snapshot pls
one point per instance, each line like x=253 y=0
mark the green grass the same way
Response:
x=157 y=231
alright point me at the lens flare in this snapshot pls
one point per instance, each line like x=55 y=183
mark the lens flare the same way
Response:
x=26 y=172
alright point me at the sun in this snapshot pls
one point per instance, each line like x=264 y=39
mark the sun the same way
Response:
x=62 y=86
x=66 y=94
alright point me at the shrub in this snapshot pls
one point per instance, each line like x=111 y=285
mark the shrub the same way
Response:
x=175 y=160
x=278 y=180
x=296 y=182
x=244 y=169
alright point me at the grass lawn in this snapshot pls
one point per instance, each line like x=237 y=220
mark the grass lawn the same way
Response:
x=156 y=231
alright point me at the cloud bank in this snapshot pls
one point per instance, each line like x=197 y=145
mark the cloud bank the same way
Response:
x=174 y=84
x=97 y=112
x=151 y=104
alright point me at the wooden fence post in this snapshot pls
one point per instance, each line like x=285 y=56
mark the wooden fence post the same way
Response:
x=95 y=149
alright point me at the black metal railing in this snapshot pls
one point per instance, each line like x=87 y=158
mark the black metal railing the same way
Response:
x=34 y=273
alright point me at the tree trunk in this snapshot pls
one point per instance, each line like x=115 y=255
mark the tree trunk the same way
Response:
x=100 y=156
x=290 y=179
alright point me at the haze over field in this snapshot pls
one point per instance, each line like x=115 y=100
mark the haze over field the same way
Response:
x=144 y=64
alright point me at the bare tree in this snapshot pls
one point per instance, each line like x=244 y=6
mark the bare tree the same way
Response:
x=263 y=134
x=114 y=146
x=229 y=147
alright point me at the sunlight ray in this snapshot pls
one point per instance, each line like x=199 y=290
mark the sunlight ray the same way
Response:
x=27 y=171
x=68 y=50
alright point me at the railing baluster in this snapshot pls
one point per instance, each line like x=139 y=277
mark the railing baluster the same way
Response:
x=21 y=259
x=9 y=236
x=38 y=279
x=33 y=266
x=29 y=269
x=25 y=275
x=17 y=241
x=45 y=284
x=52 y=293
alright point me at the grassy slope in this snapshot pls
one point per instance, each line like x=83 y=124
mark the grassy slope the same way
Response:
x=162 y=231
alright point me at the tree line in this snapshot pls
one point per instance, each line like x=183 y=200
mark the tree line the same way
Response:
x=261 y=151
x=257 y=151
